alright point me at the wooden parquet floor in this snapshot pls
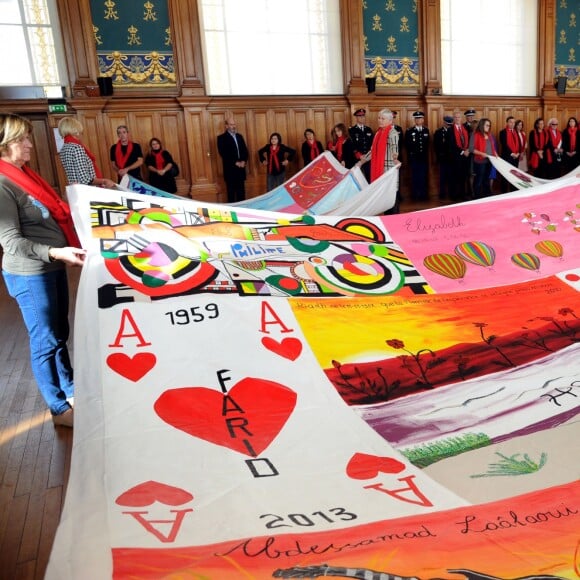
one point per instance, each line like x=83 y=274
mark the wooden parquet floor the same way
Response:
x=34 y=455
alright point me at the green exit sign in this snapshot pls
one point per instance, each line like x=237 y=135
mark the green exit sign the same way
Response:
x=57 y=108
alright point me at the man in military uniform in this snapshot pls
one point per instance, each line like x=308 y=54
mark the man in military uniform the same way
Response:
x=470 y=121
x=417 y=145
x=443 y=145
x=362 y=137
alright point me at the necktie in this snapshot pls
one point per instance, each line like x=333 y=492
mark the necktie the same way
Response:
x=236 y=142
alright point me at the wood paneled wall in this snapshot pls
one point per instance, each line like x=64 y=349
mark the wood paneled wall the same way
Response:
x=187 y=121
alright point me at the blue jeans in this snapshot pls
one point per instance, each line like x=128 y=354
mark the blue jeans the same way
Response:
x=481 y=186
x=43 y=301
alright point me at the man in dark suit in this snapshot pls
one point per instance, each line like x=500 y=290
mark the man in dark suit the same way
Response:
x=234 y=153
x=362 y=138
x=417 y=146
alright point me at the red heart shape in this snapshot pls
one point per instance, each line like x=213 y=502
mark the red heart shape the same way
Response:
x=289 y=348
x=149 y=492
x=252 y=412
x=133 y=368
x=363 y=466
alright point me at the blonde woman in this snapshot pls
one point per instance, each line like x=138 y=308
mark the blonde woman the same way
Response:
x=79 y=163
x=39 y=239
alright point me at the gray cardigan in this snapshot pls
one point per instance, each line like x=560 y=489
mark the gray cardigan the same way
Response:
x=27 y=231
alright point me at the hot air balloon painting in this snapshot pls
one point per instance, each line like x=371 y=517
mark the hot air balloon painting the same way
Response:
x=446 y=265
x=550 y=248
x=477 y=253
x=527 y=261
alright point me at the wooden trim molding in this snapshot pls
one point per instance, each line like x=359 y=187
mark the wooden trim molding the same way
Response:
x=351 y=24
x=546 y=45
x=78 y=37
x=187 y=46
x=430 y=46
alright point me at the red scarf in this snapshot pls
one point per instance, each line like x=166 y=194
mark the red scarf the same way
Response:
x=555 y=140
x=572 y=135
x=540 y=142
x=522 y=139
x=379 y=152
x=339 y=143
x=120 y=159
x=480 y=143
x=71 y=139
x=314 y=152
x=461 y=137
x=273 y=159
x=512 y=140
x=159 y=159
x=32 y=184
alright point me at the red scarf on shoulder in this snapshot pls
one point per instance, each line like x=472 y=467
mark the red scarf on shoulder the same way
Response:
x=480 y=143
x=572 y=135
x=120 y=159
x=540 y=143
x=339 y=143
x=32 y=184
x=159 y=159
x=522 y=140
x=71 y=139
x=314 y=152
x=379 y=152
x=274 y=161
x=512 y=140
x=461 y=137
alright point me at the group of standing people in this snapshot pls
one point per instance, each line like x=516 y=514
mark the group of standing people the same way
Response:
x=350 y=146
x=125 y=155
x=553 y=153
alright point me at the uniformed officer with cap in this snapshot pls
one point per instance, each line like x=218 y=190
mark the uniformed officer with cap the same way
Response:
x=362 y=138
x=443 y=145
x=417 y=145
x=470 y=122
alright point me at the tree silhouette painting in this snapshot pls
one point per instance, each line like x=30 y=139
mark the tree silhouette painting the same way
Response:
x=413 y=362
x=490 y=340
x=422 y=368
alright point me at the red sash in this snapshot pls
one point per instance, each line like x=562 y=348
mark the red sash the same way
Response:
x=540 y=141
x=273 y=161
x=480 y=143
x=522 y=140
x=32 y=184
x=159 y=159
x=555 y=139
x=461 y=137
x=379 y=152
x=512 y=140
x=120 y=159
x=71 y=139
x=572 y=135
x=314 y=153
x=339 y=143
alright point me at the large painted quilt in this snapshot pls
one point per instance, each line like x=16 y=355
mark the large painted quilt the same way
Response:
x=267 y=395
x=323 y=187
